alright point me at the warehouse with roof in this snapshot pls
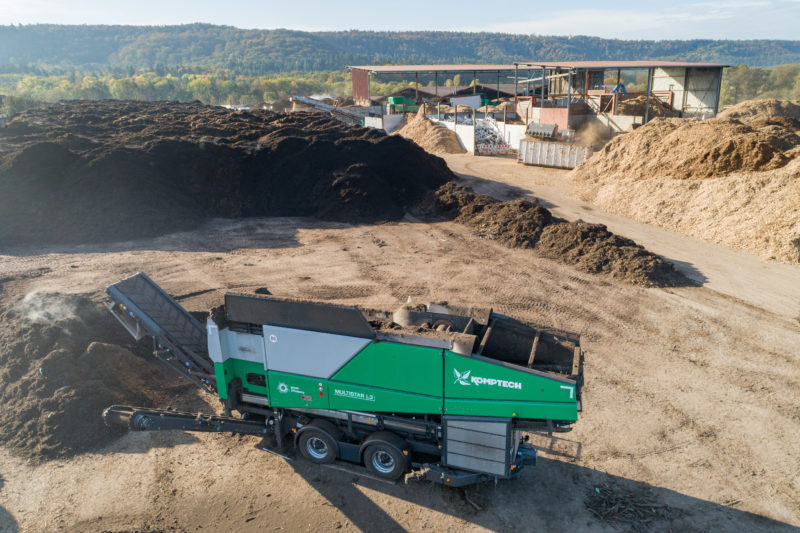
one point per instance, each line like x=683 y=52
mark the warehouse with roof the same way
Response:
x=568 y=93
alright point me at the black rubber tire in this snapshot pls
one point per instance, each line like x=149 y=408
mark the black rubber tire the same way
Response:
x=317 y=446
x=384 y=461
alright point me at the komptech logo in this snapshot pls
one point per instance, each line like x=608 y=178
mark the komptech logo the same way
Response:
x=466 y=378
x=461 y=379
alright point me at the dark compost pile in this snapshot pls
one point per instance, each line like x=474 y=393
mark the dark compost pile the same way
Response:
x=63 y=359
x=76 y=172
x=88 y=171
x=522 y=224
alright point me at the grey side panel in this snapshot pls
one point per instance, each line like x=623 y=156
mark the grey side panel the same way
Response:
x=309 y=353
x=324 y=318
x=214 y=342
x=476 y=464
x=468 y=449
x=476 y=437
x=477 y=444
x=245 y=346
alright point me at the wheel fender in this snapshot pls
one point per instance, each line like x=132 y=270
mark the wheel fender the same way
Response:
x=388 y=438
x=322 y=425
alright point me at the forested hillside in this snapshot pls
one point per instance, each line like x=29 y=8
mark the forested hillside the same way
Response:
x=220 y=64
x=54 y=49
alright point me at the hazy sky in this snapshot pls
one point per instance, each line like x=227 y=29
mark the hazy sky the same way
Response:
x=678 y=19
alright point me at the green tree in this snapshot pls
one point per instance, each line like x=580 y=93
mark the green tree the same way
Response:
x=782 y=78
x=124 y=89
x=200 y=88
x=15 y=104
x=745 y=83
x=796 y=88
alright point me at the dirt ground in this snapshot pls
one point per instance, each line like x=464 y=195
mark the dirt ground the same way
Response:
x=740 y=275
x=692 y=396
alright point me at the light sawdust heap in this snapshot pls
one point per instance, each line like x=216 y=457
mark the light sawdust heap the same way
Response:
x=756 y=110
x=431 y=137
x=732 y=180
x=462 y=109
x=637 y=106
x=505 y=106
x=689 y=149
x=778 y=118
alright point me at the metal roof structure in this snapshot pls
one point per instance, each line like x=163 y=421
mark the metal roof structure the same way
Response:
x=475 y=67
x=399 y=69
x=362 y=94
x=615 y=64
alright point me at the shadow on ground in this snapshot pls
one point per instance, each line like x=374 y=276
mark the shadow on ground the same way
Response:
x=689 y=270
x=7 y=522
x=215 y=235
x=547 y=497
x=500 y=191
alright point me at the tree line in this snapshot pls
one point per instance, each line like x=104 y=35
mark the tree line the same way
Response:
x=739 y=83
x=198 y=48
x=149 y=85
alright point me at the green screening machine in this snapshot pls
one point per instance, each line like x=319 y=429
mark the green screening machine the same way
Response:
x=443 y=391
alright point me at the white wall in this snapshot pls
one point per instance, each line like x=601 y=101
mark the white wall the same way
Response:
x=702 y=89
x=374 y=122
x=387 y=123
x=473 y=101
x=700 y=92
x=514 y=133
x=670 y=79
x=390 y=122
x=612 y=123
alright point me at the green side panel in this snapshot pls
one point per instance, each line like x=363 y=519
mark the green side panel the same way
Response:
x=361 y=398
x=238 y=368
x=534 y=410
x=222 y=383
x=501 y=388
x=289 y=390
x=389 y=365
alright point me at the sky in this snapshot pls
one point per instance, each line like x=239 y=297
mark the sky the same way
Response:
x=678 y=19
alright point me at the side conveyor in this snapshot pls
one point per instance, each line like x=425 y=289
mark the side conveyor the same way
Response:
x=147 y=419
x=144 y=309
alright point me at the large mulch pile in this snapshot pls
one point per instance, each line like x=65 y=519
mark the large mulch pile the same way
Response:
x=63 y=359
x=757 y=110
x=690 y=149
x=733 y=180
x=84 y=171
x=522 y=224
x=431 y=137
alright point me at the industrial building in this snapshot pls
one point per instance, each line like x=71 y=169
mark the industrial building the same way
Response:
x=568 y=94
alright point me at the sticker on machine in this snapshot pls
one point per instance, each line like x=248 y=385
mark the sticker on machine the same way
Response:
x=353 y=395
x=283 y=388
x=466 y=378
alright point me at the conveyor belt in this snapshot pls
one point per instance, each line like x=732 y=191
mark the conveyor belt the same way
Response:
x=146 y=310
x=148 y=419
